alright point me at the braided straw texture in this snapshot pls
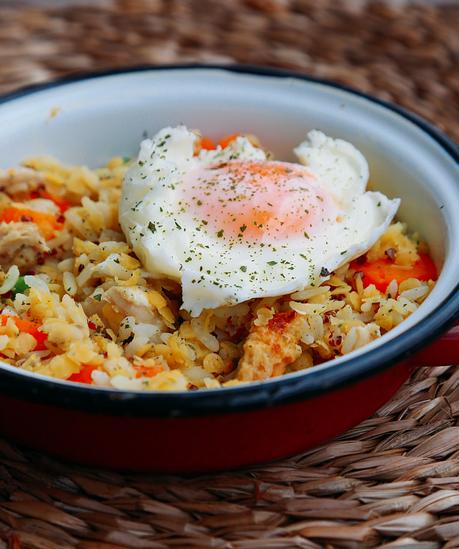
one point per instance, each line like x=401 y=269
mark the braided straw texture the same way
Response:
x=401 y=51
x=393 y=481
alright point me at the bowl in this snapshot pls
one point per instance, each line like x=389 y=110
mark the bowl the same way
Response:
x=90 y=118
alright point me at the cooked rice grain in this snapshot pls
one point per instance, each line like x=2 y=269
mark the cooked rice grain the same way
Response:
x=100 y=310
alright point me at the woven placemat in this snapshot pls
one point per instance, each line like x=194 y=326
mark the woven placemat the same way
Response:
x=407 y=52
x=393 y=480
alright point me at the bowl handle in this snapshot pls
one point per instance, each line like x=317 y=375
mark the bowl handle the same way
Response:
x=443 y=351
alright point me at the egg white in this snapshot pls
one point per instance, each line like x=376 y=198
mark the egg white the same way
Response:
x=171 y=243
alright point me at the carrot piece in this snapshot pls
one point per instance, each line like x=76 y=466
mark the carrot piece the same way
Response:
x=28 y=327
x=84 y=375
x=207 y=143
x=147 y=371
x=225 y=141
x=383 y=271
x=47 y=223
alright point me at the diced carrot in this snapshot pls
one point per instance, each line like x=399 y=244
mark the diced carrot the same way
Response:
x=84 y=375
x=225 y=141
x=147 y=371
x=383 y=271
x=28 y=327
x=47 y=223
x=207 y=143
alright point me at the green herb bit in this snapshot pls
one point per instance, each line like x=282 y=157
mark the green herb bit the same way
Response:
x=20 y=287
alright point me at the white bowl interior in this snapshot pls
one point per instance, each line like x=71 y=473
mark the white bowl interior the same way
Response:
x=102 y=117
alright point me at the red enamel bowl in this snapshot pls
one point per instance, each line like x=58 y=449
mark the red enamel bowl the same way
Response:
x=106 y=114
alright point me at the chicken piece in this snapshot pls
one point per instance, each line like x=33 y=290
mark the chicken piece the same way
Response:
x=269 y=349
x=19 y=182
x=21 y=244
x=133 y=301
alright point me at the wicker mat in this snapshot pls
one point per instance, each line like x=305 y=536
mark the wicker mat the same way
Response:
x=393 y=480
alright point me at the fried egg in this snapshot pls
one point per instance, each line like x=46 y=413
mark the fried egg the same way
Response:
x=230 y=224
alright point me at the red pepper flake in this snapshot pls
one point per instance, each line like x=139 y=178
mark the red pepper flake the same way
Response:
x=280 y=320
x=335 y=340
x=91 y=325
x=391 y=253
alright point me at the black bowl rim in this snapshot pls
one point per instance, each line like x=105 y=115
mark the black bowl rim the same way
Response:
x=283 y=390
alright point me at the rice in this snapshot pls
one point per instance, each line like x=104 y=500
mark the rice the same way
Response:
x=10 y=280
x=103 y=320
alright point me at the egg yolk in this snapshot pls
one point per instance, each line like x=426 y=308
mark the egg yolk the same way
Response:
x=257 y=200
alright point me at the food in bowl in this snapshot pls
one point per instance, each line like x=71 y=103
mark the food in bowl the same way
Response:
x=199 y=265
